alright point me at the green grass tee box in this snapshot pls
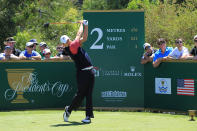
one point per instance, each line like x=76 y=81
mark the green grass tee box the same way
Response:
x=52 y=120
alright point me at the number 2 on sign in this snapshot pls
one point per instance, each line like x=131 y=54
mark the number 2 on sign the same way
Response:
x=100 y=35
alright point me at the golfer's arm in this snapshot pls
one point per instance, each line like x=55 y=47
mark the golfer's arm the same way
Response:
x=85 y=34
x=80 y=32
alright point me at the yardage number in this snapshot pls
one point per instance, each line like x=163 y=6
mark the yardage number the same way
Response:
x=100 y=35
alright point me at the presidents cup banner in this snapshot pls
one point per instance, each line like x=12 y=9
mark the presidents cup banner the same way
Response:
x=36 y=84
x=163 y=85
x=115 y=45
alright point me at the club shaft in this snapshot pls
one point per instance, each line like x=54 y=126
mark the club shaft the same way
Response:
x=63 y=23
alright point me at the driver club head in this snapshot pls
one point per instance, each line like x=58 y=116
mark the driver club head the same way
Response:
x=46 y=25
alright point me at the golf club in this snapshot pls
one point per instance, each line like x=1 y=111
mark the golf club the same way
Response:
x=56 y=23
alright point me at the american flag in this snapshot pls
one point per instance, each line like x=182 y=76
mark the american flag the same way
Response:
x=185 y=87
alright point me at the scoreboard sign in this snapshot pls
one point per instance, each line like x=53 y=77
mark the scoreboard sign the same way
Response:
x=115 y=45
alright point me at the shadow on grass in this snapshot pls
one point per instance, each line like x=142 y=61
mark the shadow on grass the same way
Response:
x=70 y=123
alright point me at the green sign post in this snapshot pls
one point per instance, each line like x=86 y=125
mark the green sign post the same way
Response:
x=115 y=45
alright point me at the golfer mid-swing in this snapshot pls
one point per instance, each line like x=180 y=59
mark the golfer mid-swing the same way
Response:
x=85 y=73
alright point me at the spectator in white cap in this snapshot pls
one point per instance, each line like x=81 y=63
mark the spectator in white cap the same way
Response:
x=7 y=55
x=193 y=51
x=35 y=43
x=29 y=53
x=149 y=53
x=43 y=46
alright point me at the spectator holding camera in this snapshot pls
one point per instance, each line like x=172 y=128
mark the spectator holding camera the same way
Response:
x=149 y=53
x=162 y=53
x=180 y=52
x=29 y=53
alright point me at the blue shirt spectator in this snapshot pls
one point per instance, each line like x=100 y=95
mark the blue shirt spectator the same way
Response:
x=162 y=53
x=159 y=54
x=29 y=53
x=25 y=53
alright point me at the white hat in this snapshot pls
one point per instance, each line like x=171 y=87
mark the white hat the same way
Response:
x=43 y=44
x=29 y=43
x=64 y=39
x=145 y=45
x=195 y=37
x=45 y=51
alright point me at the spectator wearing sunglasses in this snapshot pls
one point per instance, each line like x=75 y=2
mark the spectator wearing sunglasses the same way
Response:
x=59 y=50
x=180 y=52
x=29 y=53
x=148 y=55
x=193 y=52
x=42 y=46
x=162 y=53
x=59 y=55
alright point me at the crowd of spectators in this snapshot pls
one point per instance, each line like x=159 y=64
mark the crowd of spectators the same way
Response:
x=168 y=53
x=30 y=52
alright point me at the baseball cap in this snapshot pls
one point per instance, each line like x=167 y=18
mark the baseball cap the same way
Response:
x=64 y=39
x=43 y=44
x=45 y=51
x=29 y=44
x=7 y=47
x=34 y=41
x=9 y=39
x=195 y=37
x=146 y=45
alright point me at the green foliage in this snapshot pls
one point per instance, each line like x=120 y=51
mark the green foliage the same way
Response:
x=104 y=4
x=135 y=4
x=117 y=4
x=22 y=38
x=94 y=5
x=168 y=20
x=31 y=17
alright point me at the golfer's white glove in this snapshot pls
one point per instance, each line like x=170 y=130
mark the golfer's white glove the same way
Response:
x=85 y=22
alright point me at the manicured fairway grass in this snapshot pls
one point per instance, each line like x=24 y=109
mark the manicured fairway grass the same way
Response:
x=51 y=120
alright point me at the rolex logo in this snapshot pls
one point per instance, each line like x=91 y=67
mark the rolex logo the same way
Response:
x=132 y=68
x=19 y=80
